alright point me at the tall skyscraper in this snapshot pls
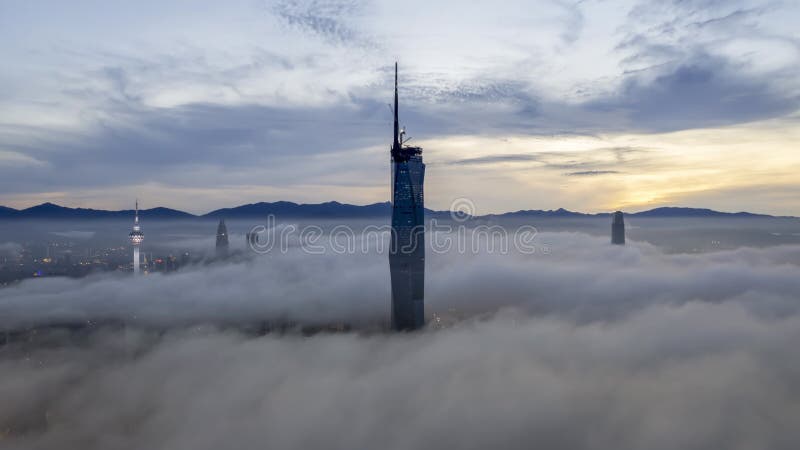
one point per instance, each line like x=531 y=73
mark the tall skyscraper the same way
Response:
x=407 y=248
x=618 y=229
x=136 y=236
x=222 y=239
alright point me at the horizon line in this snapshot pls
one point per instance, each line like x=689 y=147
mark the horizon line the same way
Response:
x=200 y=215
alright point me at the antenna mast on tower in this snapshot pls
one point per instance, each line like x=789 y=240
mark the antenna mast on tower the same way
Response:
x=396 y=143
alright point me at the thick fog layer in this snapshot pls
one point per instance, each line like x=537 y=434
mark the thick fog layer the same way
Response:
x=697 y=376
x=567 y=274
x=578 y=345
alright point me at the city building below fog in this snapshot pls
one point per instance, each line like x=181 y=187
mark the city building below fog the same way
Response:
x=222 y=240
x=71 y=259
x=618 y=229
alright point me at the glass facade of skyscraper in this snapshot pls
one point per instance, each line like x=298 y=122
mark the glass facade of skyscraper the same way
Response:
x=407 y=252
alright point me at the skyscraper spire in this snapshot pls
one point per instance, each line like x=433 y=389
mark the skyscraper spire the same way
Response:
x=136 y=218
x=396 y=143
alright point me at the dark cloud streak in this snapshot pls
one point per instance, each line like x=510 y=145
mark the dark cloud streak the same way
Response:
x=591 y=173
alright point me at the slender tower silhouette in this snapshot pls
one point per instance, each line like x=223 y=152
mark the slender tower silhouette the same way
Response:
x=618 y=229
x=136 y=237
x=222 y=239
x=407 y=248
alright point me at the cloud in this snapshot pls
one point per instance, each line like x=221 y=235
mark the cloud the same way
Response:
x=600 y=160
x=642 y=383
x=327 y=19
x=703 y=92
x=74 y=234
x=496 y=159
x=10 y=248
x=334 y=288
x=277 y=96
x=703 y=64
x=591 y=173
x=176 y=146
x=648 y=350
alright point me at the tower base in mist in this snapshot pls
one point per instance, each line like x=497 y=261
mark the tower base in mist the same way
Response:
x=136 y=261
x=408 y=292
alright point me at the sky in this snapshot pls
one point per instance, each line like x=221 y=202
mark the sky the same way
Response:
x=586 y=105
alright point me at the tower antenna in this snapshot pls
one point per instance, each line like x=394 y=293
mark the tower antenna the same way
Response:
x=396 y=143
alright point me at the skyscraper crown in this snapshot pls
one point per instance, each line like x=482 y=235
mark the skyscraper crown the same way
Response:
x=399 y=151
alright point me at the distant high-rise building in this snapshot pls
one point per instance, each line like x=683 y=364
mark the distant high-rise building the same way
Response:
x=136 y=237
x=407 y=248
x=222 y=239
x=618 y=229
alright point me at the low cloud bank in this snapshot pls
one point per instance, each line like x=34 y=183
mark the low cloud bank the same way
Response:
x=571 y=275
x=698 y=376
x=586 y=346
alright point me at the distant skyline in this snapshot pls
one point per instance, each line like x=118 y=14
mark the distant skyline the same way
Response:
x=336 y=209
x=588 y=106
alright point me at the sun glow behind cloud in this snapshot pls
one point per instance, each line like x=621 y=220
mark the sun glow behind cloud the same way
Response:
x=586 y=173
x=287 y=100
x=629 y=171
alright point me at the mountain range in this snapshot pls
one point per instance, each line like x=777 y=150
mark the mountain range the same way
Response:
x=328 y=210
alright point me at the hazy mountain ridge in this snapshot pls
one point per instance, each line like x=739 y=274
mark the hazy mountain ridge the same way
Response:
x=326 y=210
x=52 y=211
x=672 y=211
x=322 y=210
